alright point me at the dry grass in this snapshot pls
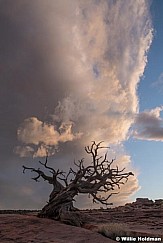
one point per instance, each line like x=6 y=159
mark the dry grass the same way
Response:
x=113 y=230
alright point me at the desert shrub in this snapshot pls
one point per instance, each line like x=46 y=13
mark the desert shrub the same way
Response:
x=113 y=230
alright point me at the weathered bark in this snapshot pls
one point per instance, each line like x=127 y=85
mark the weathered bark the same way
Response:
x=60 y=207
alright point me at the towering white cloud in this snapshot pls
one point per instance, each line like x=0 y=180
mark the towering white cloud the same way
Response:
x=101 y=48
x=103 y=64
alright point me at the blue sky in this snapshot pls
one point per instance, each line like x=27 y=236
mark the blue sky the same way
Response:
x=147 y=156
x=150 y=96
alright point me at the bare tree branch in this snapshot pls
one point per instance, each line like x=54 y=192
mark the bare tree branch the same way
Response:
x=95 y=178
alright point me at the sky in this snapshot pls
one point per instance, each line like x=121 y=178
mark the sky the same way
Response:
x=73 y=72
x=147 y=152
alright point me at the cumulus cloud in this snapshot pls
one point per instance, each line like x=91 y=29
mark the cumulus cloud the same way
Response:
x=149 y=125
x=103 y=64
x=101 y=49
x=44 y=136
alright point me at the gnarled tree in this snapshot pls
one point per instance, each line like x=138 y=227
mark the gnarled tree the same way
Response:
x=94 y=179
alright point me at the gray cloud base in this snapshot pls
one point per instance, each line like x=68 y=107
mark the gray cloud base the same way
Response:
x=149 y=125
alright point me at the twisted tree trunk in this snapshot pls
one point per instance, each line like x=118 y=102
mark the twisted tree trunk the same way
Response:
x=60 y=207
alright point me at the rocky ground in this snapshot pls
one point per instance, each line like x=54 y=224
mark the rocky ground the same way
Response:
x=15 y=228
x=143 y=218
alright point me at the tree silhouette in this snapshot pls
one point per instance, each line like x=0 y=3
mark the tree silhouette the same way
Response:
x=95 y=179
